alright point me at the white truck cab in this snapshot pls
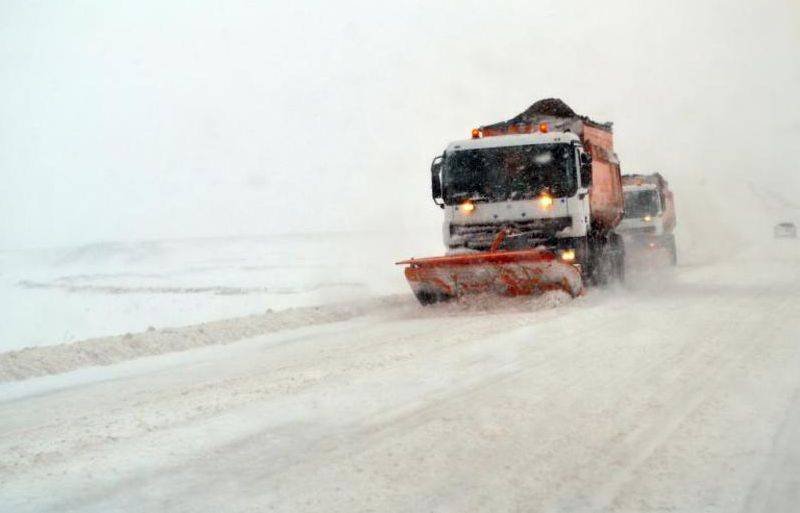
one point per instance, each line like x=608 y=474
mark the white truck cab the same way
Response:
x=649 y=218
x=644 y=211
x=531 y=185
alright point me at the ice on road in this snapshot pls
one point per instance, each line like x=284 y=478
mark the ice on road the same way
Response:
x=681 y=394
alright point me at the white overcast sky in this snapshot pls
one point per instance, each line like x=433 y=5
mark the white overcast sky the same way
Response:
x=134 y=120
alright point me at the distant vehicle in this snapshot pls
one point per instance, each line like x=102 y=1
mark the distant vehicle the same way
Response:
x=785 y=231
x=649 y=213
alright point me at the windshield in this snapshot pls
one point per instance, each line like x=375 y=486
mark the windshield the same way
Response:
x=642 y=203
x=510 y=172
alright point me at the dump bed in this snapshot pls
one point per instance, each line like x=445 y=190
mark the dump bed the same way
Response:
x=605 y=194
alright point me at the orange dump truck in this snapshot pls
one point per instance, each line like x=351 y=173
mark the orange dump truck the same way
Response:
x=649 y=218
x=530 y=204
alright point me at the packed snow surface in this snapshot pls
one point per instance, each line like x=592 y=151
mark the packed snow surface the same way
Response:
x=678 y=392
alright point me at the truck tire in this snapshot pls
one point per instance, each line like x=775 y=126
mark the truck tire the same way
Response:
x=607 y=260
x=618 y=247
x=673 y=249
x=599 y=268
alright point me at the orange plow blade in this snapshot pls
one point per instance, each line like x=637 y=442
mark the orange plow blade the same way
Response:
x=510 y=273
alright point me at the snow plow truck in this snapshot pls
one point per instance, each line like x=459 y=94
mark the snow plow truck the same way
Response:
x=649 y=218
x=530 y=204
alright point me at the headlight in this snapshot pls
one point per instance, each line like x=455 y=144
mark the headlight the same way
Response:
x=467 y=207
x=647 y=219
x=568 y=255
x=545 y=201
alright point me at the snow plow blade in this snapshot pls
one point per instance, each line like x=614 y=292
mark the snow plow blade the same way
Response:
x=508 y=273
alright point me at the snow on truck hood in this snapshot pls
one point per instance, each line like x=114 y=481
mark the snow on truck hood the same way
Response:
x=512 y=140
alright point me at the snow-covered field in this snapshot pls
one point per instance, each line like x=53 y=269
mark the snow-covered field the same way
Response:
x=63 y=295
x=678 y=392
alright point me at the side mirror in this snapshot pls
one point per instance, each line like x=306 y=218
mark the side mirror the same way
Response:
x=436 y=180
x=586 y=169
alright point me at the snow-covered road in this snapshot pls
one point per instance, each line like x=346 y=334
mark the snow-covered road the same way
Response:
x=682 y=394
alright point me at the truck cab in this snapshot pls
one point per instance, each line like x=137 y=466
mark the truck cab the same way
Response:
x=547 y=178
x=649 y=218
x=535 y=186
x=644 y=211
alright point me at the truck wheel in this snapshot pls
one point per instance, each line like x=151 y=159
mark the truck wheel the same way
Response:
x=600 y=267
x=618 y=248
x=673 y=250
x=608 y=261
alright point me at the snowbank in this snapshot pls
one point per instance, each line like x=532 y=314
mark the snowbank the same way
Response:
x=40 y=361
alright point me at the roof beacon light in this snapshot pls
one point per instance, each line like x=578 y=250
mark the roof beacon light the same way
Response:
x=543 y=128
x=476 y=133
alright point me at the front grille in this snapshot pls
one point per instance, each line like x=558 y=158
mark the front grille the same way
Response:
x=481 y=235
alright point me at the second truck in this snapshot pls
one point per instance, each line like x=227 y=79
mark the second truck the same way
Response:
x=649 y=218
x=529 y=204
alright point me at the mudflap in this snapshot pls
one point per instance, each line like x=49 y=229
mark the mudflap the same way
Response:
x=507 y=273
